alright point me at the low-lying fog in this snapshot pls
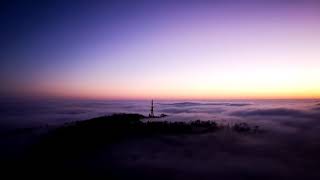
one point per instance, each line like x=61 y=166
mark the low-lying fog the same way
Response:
x=288 y=147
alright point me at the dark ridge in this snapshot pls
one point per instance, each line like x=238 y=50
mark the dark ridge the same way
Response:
x=88 y=134
x=82 y=135
x=83 y=138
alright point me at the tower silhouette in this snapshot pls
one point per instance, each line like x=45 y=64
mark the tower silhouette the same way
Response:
x=151 y=110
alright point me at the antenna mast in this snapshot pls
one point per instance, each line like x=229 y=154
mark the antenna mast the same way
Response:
x=151 y=111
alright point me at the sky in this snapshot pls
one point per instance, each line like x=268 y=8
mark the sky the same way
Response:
x=160 y=49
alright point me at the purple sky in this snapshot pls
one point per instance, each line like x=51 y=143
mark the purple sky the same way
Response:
x=162 y=50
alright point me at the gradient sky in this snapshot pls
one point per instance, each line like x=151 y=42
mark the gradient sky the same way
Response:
x=142 y=50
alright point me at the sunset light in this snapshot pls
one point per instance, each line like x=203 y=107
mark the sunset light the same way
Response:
x=195 y=50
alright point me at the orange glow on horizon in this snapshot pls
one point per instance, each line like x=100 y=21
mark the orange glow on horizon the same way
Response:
x=185 y=94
